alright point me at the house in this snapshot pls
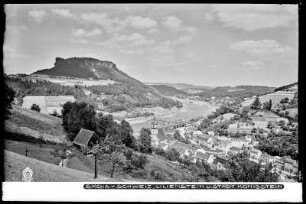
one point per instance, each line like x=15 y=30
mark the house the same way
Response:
x=255 y=155
x=286 y=121
x=191 y=129
x=241 y=127
x=224 y=117
x=219 y=163
x=260 y=122
x=197 y=133
x=266 y=159
x=211 y=133
x=157 y=136
x=285 y=166
x=235 y=150
x=182 y=148
x=290 y=166
x=206 y=157
x=84 y=138
x=163 y=146
x=47 y=104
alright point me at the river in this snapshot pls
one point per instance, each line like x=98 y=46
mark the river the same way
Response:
x=189 y=111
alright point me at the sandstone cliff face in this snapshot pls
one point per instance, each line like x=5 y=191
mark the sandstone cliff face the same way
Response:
x=81 y=67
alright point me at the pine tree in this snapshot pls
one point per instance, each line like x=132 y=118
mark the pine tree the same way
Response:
x=256 y=104
x=270 y=105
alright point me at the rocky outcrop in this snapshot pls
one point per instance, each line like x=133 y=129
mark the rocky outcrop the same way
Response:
x=87 y=68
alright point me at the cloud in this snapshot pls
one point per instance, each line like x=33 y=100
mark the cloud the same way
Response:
x=175 y=24
x=172 y=23
x=209 y=17
x=252 y=65
x=101 y=19
x=261 y=47
x=38 y=15
x=115 y=24
x=81 y=33
x=134 y=43
x=139 y=22
x=255 y=17
x=64 y=13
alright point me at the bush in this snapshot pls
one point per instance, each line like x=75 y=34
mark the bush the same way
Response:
x=139 y=173
x=35 y=107
x=160 y=152
x=173 y=155
x=158 y=175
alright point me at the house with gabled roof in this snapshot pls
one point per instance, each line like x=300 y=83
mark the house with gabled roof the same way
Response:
x=219 y=163
x=255 y=155
x=235 y=150
x=206 y=157
x=84 y=138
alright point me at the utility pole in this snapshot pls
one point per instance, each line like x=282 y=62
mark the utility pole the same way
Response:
x=96 y=165
x=95 y=151
x=26 y=151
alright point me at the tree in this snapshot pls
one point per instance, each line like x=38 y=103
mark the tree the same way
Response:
x=173 y=155
x=145 y=140
x=112 y=152
x=78 y=115
x=104 y=124
x=126 y=134
x=285 y=100
x=281 y=123
x=256 y=104
x=35 y=107
x=178 y=136
x=8 y=100
x=270 y=105
x=244 y=170
x=204 y=124
x=267 y=105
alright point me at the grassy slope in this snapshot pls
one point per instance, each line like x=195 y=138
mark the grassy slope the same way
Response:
x=84 y=163
x=238 y=91
x=275 y=98
x=33 y=123
x=14 y=164
x=168 y=90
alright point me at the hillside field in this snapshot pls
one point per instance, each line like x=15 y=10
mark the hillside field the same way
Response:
x=275 y=97
x=36 y=124
x=15 y=163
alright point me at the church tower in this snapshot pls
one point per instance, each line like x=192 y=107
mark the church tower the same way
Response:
x=154 y=127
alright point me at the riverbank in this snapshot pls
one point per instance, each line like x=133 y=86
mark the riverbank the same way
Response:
x=188 y=112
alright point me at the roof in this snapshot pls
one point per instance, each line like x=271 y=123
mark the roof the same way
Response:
x=83 y=137
x=258 y=119
x=201 y=155
x=161 y=135
x=256 y=151
x=192 y=128
x=235 y=148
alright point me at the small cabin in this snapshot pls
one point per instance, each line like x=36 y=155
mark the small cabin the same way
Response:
x=85 y=138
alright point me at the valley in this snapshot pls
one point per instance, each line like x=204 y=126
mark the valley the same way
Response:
x=169 y=132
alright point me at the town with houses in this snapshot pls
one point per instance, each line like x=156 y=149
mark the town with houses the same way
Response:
x=201 y=144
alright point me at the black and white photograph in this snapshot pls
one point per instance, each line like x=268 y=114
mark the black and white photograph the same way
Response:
x=151 y=94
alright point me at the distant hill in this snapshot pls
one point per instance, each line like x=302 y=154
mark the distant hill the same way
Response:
x=81 y=67
x=293 y=87
x=237 y=91
x=182 y=86
x=287 y=91
x=168 y=90
x=125 y=94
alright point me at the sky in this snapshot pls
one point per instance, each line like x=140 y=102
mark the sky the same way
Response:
x=200 y=44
